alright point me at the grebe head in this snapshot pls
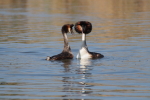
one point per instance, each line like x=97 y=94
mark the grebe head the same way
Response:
x=83 y=27
x=67 y=28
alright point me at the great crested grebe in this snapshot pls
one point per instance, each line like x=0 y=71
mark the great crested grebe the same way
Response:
x=66 y=53
x=85 y=27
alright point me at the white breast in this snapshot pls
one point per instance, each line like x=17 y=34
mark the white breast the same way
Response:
x=83 y=53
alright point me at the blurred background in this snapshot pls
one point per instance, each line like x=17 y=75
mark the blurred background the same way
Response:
x=45 y=17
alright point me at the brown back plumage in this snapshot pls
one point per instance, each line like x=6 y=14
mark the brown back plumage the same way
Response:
x=63 y=55
x=96 y=55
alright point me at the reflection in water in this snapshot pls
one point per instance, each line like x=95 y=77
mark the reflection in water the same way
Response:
x=84 y=68
x=83 y=74
x=84 y=62
x=66 y=64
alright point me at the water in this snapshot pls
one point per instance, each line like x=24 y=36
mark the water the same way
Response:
x=31 y=30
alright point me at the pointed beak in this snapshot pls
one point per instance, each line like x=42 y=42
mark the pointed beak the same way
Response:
x=71 y=30
x=83 y=28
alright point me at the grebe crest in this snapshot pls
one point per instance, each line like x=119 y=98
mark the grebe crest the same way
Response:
x=84 y=28
x=66 y=53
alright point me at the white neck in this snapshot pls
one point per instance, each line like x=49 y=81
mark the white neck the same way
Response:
x=66 y=44
x=83 y=52
x=65 y=36
x=83 y=37
x=84 y=40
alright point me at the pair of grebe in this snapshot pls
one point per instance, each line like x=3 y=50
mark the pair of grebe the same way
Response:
x=81 y=27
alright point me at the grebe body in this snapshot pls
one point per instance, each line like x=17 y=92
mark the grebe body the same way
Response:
x=66 y=53
x=84 y=28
